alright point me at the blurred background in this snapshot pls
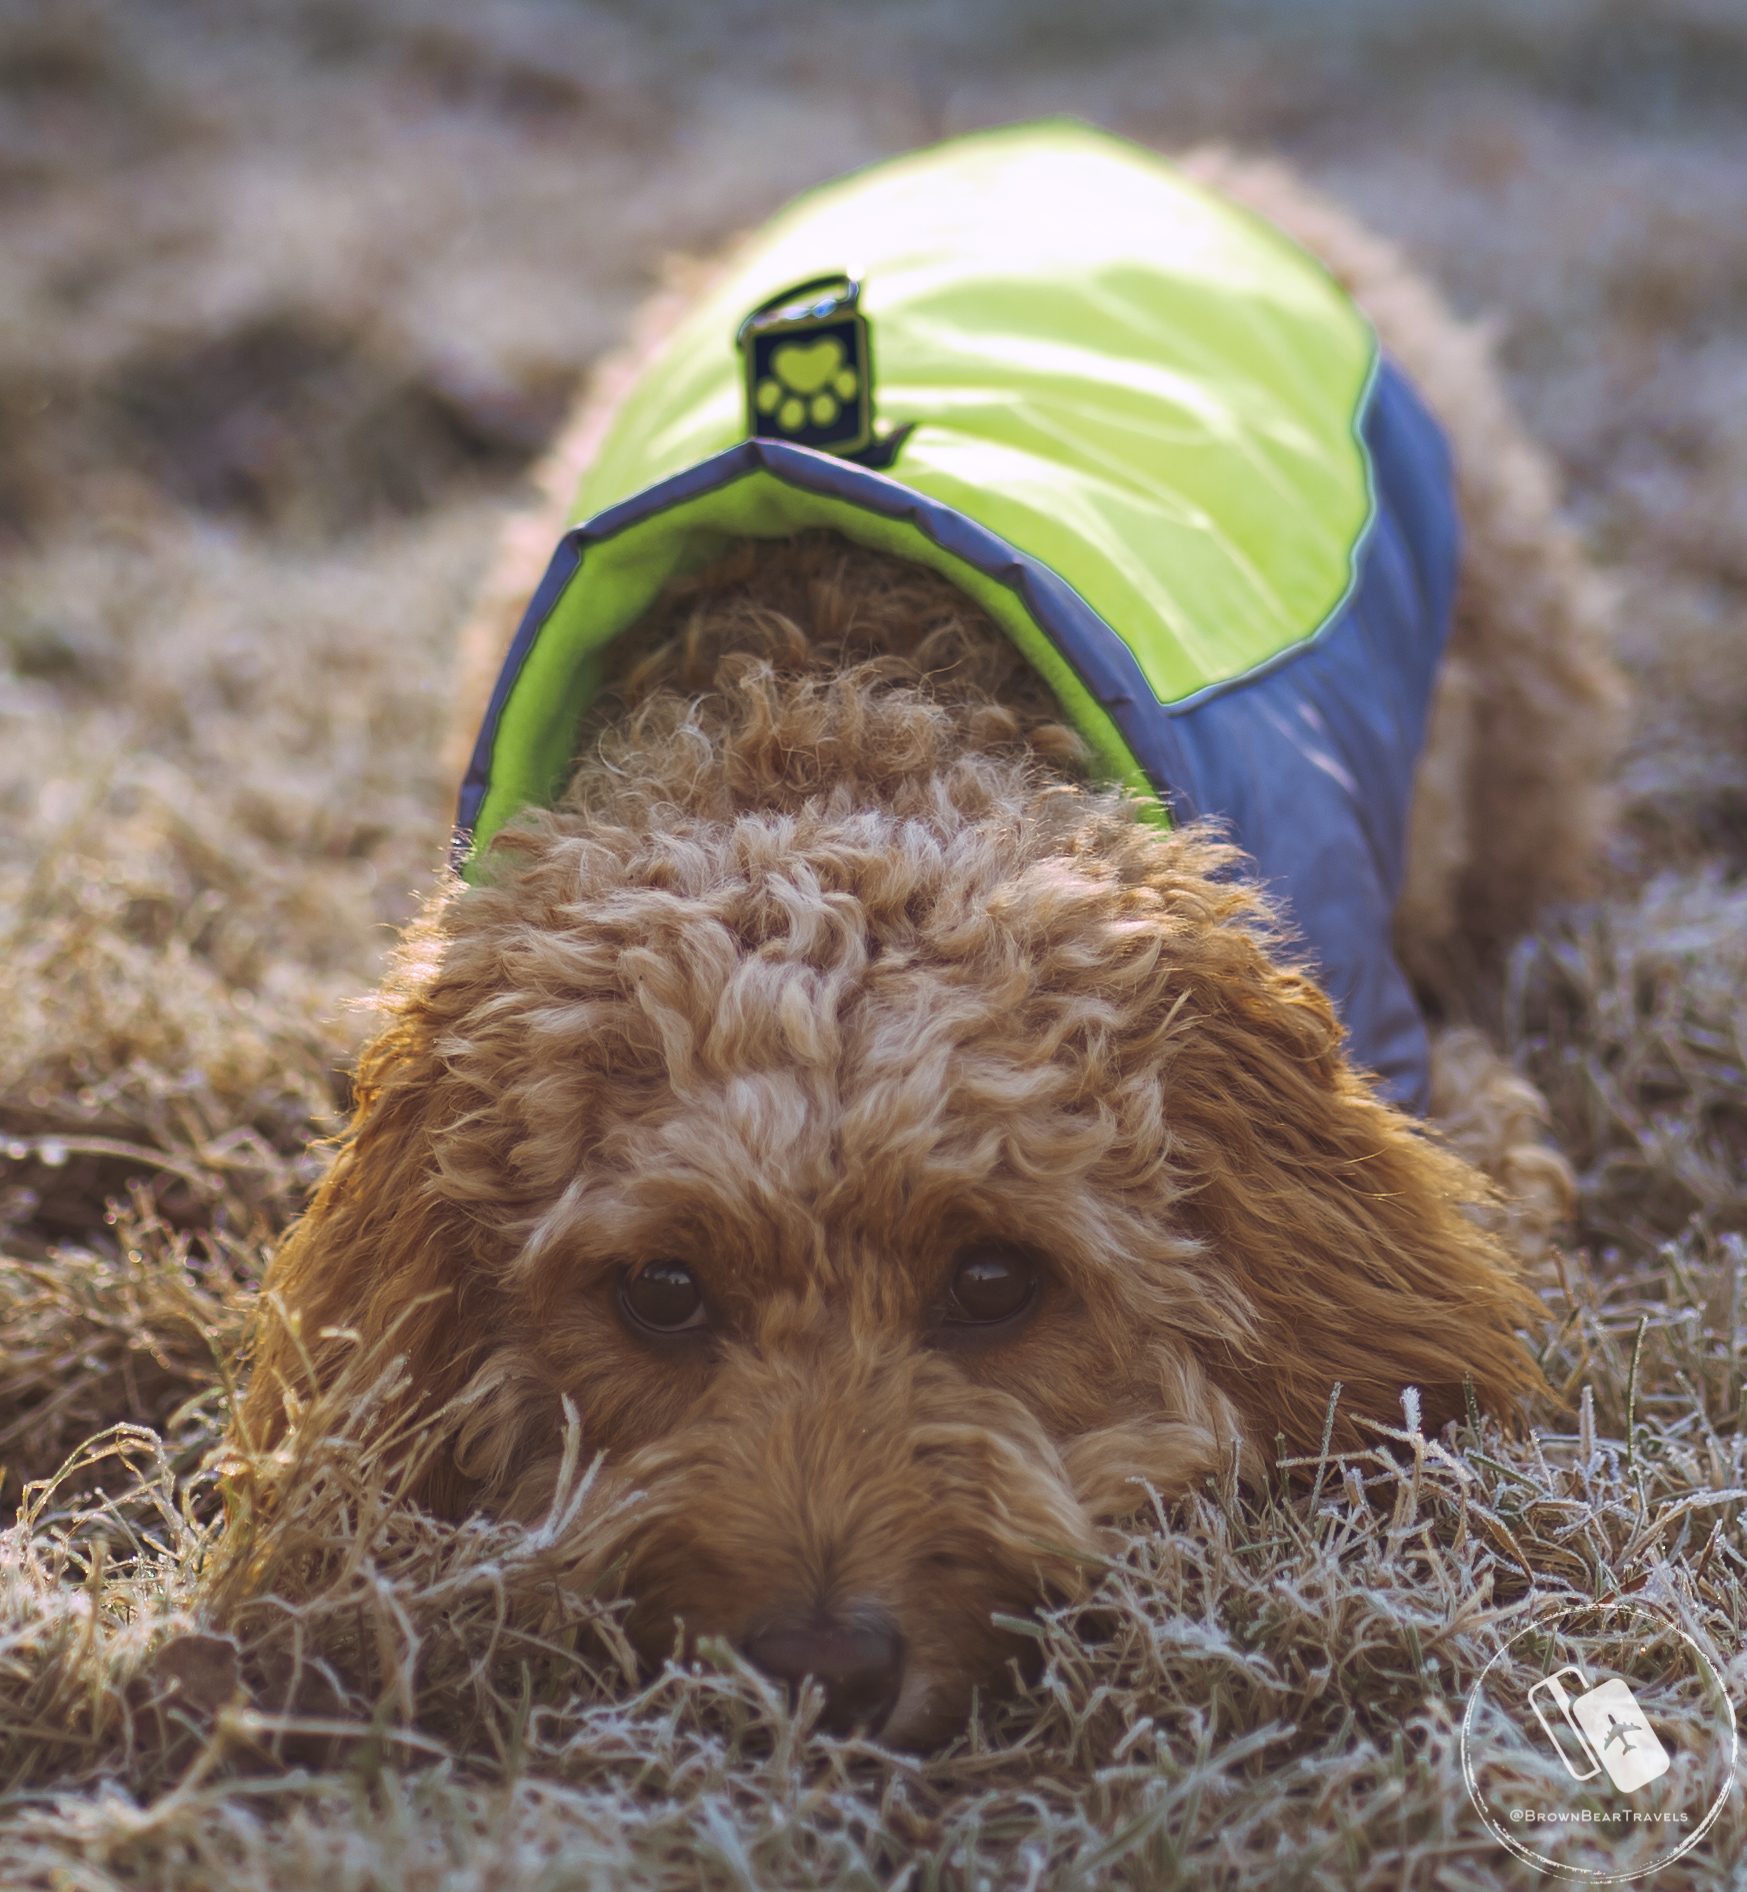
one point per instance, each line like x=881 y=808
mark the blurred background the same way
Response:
x=292 y=291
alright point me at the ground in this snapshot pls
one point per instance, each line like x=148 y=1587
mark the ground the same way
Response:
x=290 y=292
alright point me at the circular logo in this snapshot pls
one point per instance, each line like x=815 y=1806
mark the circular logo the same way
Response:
x=1599 y=1742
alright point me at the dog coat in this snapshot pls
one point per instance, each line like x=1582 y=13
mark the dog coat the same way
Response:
x=1150 y=436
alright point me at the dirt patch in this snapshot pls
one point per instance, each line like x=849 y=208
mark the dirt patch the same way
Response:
x=286 y=423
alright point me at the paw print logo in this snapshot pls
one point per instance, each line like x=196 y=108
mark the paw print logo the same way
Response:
x=807 y=382
x=808 y=366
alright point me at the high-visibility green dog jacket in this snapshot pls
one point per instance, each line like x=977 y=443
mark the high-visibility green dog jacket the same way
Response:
x=1147 y=433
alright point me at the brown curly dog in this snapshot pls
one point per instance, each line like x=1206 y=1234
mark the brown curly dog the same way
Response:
x=901 y=1157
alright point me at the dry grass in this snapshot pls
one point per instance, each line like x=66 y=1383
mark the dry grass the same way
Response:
x=288 y=292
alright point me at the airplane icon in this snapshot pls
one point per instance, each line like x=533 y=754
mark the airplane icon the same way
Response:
x=1619 y=1730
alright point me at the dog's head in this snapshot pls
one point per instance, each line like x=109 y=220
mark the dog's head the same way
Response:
x=901 y=1163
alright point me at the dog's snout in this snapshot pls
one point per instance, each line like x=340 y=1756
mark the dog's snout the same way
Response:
x=857 y=1660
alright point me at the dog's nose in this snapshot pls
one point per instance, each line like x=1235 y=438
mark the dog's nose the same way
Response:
x=857 y=1660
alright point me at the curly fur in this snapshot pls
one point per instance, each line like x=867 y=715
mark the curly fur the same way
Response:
x=829 y=960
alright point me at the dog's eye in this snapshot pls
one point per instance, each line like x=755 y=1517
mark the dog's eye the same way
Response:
x=992 y=1282
x=663 y=1297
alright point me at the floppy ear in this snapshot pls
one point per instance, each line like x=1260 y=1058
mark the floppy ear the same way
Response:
x=1353 y=1231
x=374 y=1268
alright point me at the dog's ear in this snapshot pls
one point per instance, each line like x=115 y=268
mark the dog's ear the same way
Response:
x=1357 y=1238
x=372 y=1272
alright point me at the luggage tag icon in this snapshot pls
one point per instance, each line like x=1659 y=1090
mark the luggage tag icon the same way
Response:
x=1612 y=1731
